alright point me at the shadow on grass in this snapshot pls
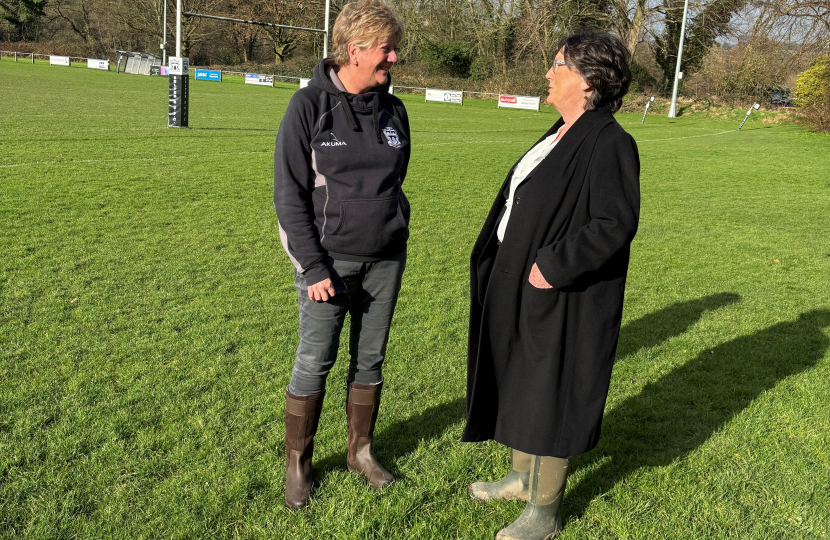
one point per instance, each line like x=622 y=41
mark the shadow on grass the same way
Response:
x=662 y=325
x=673 y=416
x=403 y=437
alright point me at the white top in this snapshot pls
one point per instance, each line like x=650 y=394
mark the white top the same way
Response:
x=524 y=168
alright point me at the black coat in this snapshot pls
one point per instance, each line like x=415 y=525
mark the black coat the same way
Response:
x=539 y=360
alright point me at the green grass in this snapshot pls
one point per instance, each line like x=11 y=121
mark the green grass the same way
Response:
x=148 y=326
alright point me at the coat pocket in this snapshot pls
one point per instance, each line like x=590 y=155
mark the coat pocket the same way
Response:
x=367 y=226
x=538 y=303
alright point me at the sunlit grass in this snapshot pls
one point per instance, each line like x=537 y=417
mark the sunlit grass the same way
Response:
x=148 y=327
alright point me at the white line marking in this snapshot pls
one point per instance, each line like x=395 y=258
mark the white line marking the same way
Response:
x=122 y=160
x=689 y=137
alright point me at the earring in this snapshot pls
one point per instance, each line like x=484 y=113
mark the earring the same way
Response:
x=355 y=62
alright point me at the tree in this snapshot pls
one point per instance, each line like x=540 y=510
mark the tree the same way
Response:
x=710 y=22
x=82 y=17
x=812 y=94
x=287 y=12
x=451 y=57
x=25 y=17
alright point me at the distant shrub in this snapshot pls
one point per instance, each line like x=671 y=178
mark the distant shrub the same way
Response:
x=812 y=93
x=227 y=57
x=749 y=71
x=641 y=79
x=482 y=68
x=453 y=58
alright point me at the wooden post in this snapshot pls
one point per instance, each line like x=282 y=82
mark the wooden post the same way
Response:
x=33 y=58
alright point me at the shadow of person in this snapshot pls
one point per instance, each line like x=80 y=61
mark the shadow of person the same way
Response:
x=674 y=415
x=664 y=324
x=403 y=437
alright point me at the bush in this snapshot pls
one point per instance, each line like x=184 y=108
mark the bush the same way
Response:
x=641 y=79
x=812 y=93
x=749 y=71
x=227 y=57
x=453 y=58
x=482 y=68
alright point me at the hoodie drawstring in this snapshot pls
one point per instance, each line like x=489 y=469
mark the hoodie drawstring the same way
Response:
x=375 y=124
x=344 y=101
x=349 y=112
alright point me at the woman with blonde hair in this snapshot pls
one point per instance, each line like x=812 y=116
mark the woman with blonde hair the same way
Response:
x=340 y=159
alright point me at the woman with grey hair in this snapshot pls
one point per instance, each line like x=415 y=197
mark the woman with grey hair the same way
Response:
x=547 y=279
x=340 y=160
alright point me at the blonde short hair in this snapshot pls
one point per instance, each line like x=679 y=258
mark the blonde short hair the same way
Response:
x=364 y=23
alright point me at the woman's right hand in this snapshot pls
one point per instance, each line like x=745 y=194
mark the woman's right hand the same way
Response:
x=321 y=291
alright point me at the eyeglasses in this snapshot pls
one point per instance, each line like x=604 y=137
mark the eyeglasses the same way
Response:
x=557 y=63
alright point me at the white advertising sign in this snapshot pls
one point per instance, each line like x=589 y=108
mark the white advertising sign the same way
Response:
x=446 y=96
x=59 y=60
x=391 y=89
x=178 y=65
x=262 y=80
x=304 y=82
x=519 y=102
x=93 y=63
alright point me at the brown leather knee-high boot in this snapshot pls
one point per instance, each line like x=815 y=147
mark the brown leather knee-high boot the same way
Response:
x=302 y=414
x=362 y=403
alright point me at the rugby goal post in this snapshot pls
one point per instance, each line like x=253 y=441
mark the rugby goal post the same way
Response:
x=178 y=89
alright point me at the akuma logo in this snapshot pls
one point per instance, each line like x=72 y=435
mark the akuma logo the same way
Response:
x=333 y=142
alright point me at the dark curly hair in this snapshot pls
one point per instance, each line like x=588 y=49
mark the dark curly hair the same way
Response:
x=603 y=60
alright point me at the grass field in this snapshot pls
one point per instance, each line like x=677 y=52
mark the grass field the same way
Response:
x=148 y=326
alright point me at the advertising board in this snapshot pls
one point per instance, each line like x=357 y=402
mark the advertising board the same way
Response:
x=94 y=63
x=262 y=80
x=304 y=82
x=59 y=60
x=164 y=71
x=519 y=102
x=208 y=75
x=445 y=96
x=178 y=65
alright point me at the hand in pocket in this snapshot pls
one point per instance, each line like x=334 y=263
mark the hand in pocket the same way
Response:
x=537 y=279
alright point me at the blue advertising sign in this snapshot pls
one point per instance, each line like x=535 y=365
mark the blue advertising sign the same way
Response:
x=208 y=75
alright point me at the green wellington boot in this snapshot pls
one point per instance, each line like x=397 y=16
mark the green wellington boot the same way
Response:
x=541 y=519
x=513 y=487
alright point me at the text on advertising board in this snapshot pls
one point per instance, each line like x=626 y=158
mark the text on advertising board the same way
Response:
x=59 y=60
x=94 y=63
x=519 y=102
x=262 y=80
x=208 y=75
x=444 y=96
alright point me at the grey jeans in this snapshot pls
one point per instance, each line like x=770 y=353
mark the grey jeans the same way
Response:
x=373 y=293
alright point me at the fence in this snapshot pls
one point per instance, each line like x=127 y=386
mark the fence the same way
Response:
x=424 y=88
x=18 y=55
x=406 y=89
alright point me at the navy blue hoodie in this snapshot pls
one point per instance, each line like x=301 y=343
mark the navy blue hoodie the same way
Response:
x=339 y=163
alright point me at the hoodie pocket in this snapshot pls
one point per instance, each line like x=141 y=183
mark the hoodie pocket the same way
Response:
x=367 y=226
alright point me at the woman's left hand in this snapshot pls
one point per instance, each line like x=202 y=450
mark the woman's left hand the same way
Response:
x=537 y=279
